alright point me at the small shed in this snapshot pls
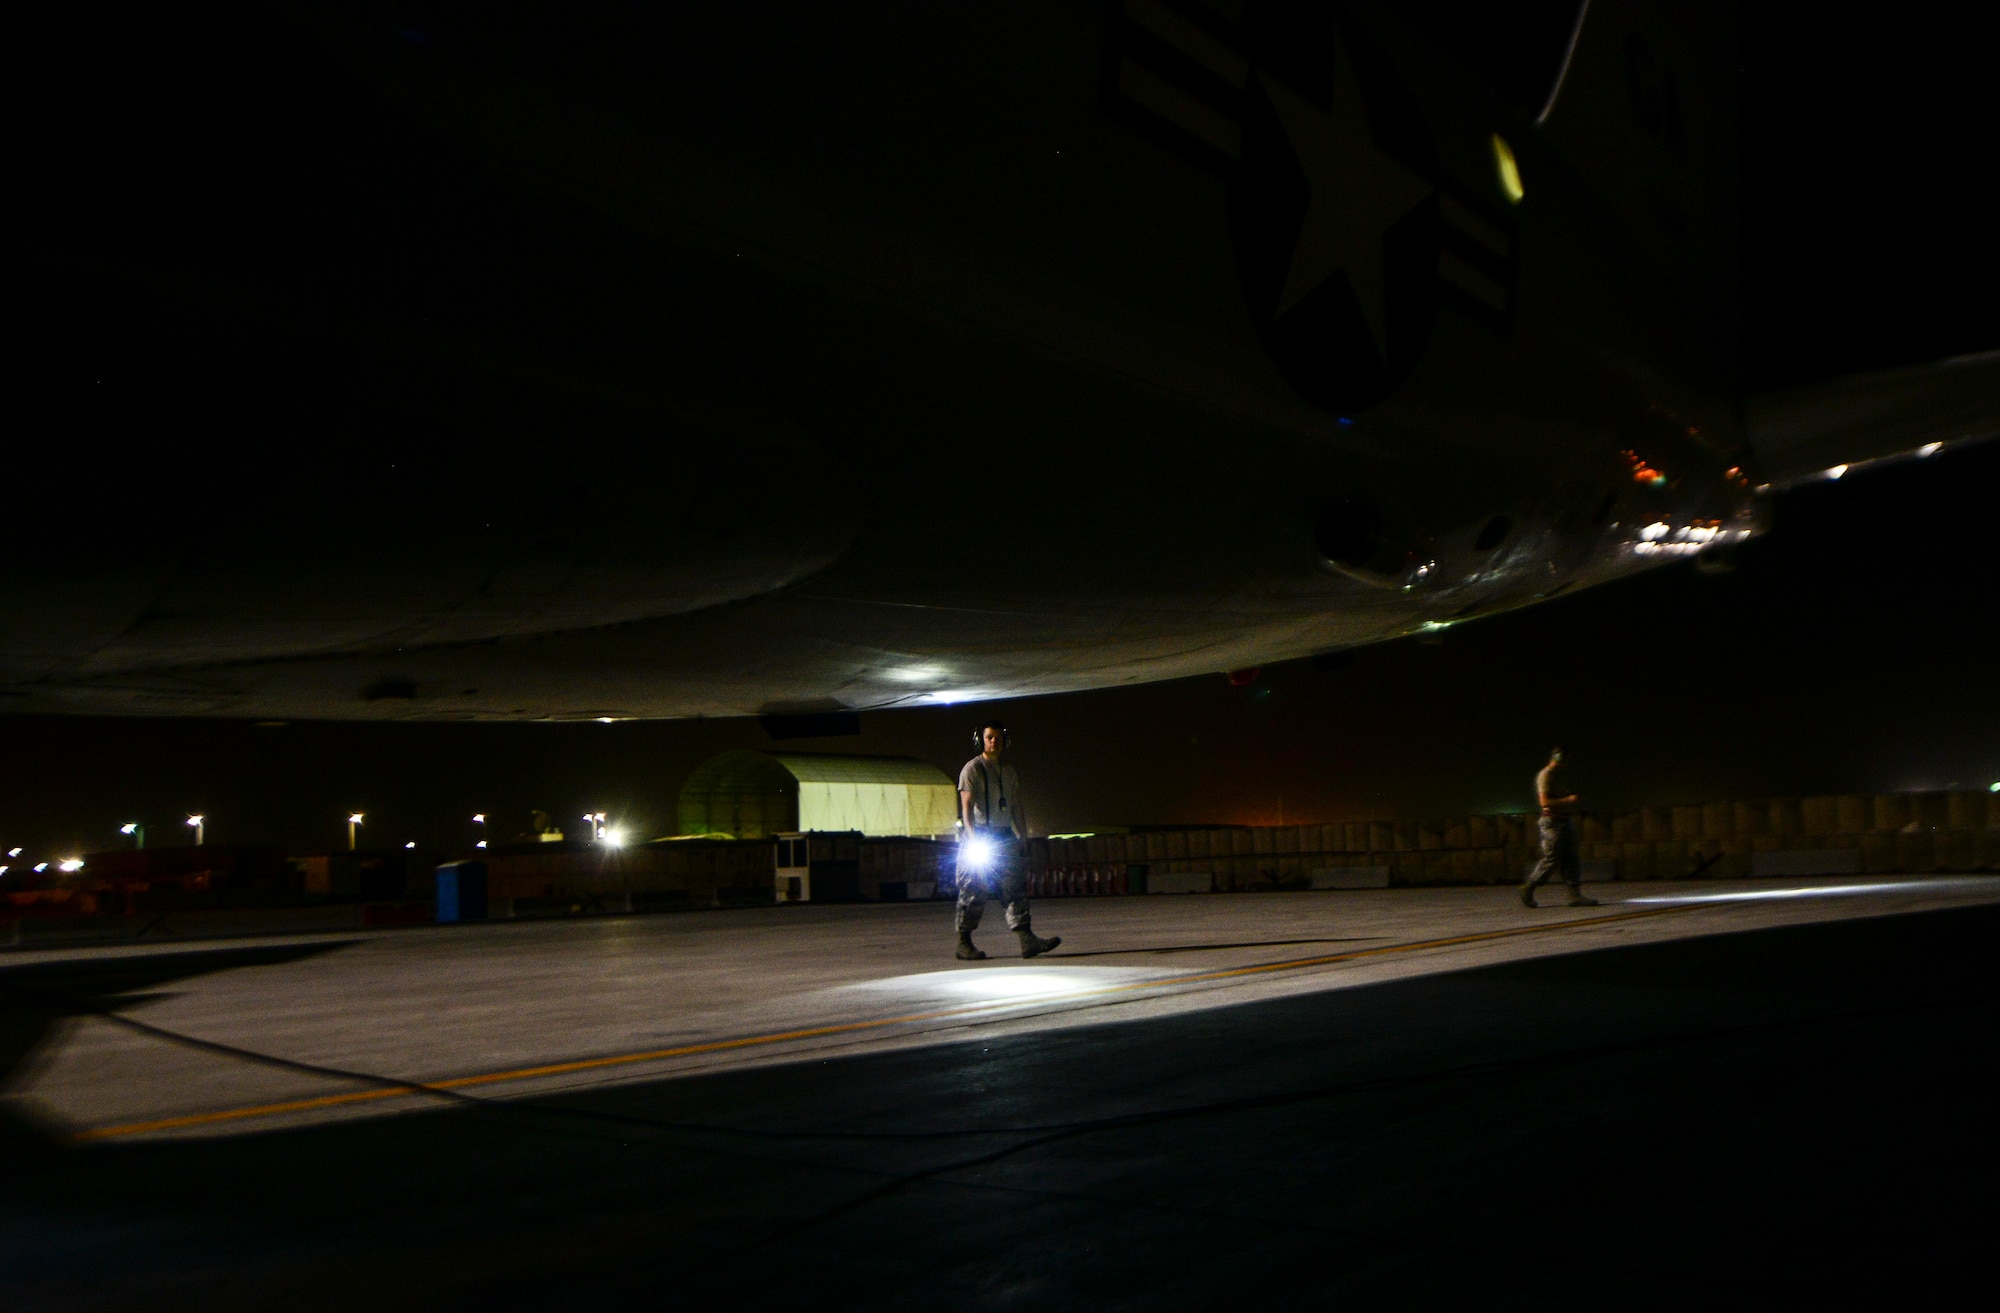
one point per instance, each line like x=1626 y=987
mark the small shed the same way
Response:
x=748 y=794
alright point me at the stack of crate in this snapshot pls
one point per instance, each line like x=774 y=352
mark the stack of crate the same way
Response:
x=1946 y=831
x=1909 y=832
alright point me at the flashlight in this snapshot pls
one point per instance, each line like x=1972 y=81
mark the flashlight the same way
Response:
x=978 y=851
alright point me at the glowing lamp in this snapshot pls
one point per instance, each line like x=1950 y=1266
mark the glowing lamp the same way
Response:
x=1509 y=170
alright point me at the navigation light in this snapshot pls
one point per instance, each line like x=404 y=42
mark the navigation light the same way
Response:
x=1510 y=172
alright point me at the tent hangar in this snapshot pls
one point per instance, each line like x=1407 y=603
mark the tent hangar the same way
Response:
x=748 y=794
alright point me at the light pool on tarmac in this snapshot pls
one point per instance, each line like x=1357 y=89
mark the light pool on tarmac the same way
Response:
x=1958 y=885
x=1001 y=983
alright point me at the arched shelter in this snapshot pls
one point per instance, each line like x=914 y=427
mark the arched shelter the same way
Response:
x=750 y=794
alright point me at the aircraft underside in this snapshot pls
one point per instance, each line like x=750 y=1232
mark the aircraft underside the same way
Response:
x=432 y=370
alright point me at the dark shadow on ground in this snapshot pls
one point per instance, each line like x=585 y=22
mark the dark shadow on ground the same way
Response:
x=1792 y=1116
x=38 y=992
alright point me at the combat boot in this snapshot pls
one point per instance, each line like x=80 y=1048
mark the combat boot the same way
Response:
x=967 y=950
x=1578 y=898
x=1031 y=946
x=1528 y=895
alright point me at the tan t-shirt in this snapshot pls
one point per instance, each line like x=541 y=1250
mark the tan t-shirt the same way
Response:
x=995 y=790
x=1549 y=784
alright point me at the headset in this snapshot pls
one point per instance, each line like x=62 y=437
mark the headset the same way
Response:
x=985 y=779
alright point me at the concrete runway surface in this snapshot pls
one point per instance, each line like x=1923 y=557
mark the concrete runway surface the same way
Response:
x=1715 y=1092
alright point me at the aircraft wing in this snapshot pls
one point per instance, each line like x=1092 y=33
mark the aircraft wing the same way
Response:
x=1825 y=430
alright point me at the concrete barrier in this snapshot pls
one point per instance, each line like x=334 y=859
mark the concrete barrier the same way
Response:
x=1351 y=877
x=1807 y=861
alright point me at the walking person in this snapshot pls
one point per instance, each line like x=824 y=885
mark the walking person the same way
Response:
x=991 y=847
x=1558 y=833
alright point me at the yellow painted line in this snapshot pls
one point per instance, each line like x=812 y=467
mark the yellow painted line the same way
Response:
x=415 y=1088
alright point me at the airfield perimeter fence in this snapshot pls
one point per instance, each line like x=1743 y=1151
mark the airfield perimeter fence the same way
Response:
x=157 y=890
x=1831 y=835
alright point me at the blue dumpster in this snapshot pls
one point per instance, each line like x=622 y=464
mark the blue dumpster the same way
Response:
x=461 y=892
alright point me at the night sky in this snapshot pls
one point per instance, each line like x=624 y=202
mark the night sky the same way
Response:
x=1851 y=650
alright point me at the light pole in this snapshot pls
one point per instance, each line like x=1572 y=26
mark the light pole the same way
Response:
x=479 y=819
x=596 y=820
x=137 y=829
x=353 y=823
x=196 y=823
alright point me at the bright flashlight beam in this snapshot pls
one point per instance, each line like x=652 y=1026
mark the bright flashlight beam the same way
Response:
x=977 y=852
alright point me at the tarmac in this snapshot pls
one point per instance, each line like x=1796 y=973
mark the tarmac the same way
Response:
x=1713 y=1091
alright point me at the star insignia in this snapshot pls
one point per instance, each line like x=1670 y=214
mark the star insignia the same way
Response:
x=1358 y=193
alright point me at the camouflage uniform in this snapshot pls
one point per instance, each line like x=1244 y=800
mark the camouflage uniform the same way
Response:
x=1003 y=879
x=1559 y=854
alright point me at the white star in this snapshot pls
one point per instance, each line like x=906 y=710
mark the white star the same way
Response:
x=1358 y=194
